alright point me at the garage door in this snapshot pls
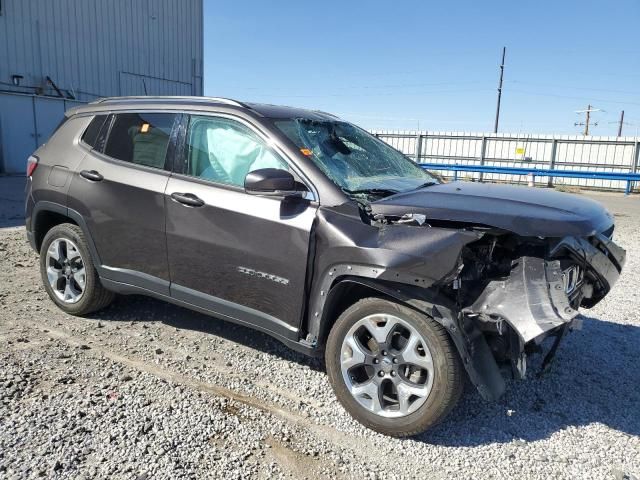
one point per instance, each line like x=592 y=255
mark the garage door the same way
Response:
x=17 y=132
x=49 y=113
x=26 y=122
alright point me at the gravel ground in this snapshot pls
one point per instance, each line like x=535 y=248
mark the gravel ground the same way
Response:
x=149 y=390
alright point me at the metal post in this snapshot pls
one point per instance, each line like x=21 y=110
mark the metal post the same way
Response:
x=586 y=124
x=621 y=123
x=35 y=122
x=483 y=150
x=418 y=148
x=495 y=126
x=634 y=167
x=552 y=163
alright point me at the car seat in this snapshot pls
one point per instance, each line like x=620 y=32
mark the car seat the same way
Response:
x=149 y=145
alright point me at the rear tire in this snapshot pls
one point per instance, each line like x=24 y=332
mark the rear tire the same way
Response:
x=68 y=273
x=417 y=371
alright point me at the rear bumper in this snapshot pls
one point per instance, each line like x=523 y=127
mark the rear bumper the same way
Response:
x=533 y=301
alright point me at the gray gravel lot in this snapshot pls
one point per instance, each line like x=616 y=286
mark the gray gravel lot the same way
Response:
x=145 y=389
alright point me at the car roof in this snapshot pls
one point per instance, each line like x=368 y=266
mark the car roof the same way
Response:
x=280 y=111
x=263 y=110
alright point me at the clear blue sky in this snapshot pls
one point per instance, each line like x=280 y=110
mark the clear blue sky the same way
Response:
x=393 y=64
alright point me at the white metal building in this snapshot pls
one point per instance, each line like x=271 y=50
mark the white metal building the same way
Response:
x=55 y=54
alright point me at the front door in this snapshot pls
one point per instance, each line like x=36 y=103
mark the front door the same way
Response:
x=240 y=255
x=119 y=190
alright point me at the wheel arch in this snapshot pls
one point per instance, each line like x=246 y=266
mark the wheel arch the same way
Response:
x=470 y=344
x=343 y=293
x=47 y=215
x=45 y=220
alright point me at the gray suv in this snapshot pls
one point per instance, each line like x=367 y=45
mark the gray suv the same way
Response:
x=306 y=227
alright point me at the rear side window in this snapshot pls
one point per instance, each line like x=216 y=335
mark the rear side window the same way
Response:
x=90 y=136
x=140 y=138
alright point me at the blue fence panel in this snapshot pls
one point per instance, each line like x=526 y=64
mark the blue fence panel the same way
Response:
x=537 y=172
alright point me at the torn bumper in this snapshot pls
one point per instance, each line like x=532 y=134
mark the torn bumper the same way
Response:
x=537 y=296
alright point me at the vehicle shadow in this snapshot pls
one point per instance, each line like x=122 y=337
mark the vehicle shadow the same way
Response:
x=593 y=379
x=135 y=308
x=11 y=201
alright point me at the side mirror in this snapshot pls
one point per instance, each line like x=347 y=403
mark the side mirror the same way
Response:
x=270 y=181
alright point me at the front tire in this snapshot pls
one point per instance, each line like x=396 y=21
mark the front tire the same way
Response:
x=68 y=273
x=392 y=368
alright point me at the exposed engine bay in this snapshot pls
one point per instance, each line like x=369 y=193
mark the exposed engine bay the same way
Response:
x=520 y=290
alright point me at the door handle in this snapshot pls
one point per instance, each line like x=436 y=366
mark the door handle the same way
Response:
x=188 y=199
x=91 y=175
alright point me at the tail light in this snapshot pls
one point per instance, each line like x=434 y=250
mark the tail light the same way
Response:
x=32 y=163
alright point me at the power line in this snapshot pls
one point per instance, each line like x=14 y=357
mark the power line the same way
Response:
x=392 y=91
x=372 y=94
x=389 y=86
x=574 y=87
x=573 y=97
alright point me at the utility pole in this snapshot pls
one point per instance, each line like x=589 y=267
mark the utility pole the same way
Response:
x=621 y=123
x=587 y=122
x=495 y=126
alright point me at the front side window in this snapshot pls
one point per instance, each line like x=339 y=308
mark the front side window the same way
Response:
x=140 y=138
x=353 y=159
x=224 y=151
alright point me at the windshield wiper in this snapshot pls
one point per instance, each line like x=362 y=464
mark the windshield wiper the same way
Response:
x=425 y=185
x=371 y=191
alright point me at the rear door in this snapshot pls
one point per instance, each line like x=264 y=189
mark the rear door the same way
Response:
x=119 y=190
x=242 y=256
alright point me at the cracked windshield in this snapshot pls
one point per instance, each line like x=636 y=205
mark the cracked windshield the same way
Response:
x=355 y=160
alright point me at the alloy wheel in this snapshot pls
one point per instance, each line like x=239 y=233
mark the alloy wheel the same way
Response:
x=386 y=365
x=65 y=270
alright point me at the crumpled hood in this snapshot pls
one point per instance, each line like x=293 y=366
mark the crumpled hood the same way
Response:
x=521 y=210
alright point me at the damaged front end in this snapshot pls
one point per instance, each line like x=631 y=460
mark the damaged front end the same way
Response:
x=500 y=268
x=518 y=291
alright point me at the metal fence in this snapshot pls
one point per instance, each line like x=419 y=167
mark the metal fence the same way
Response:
x=604 y=154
